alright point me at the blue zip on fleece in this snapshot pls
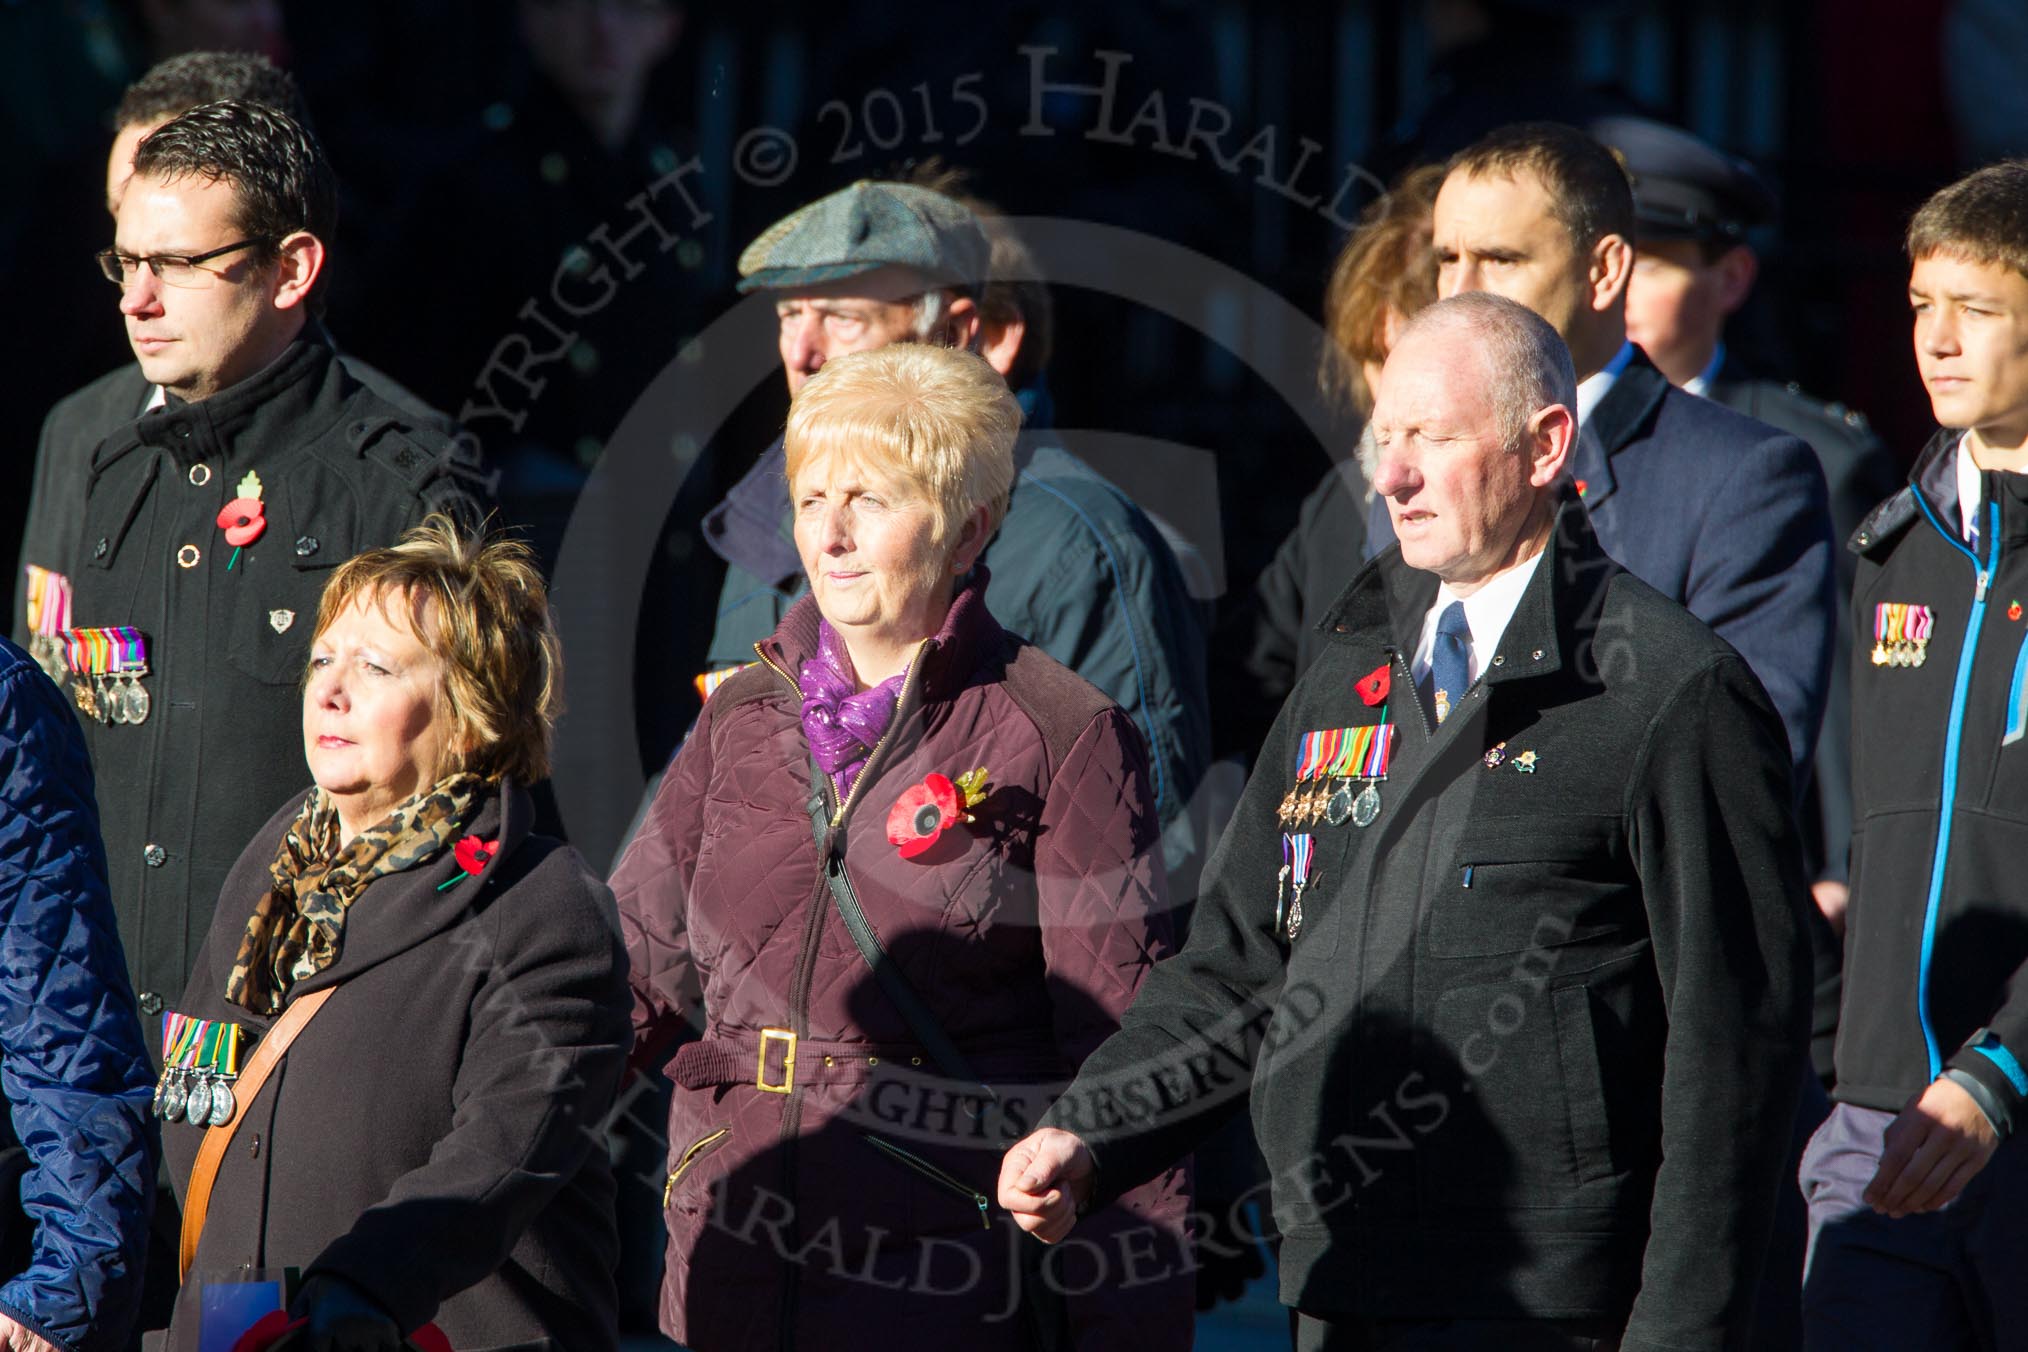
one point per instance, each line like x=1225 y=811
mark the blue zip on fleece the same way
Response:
x=2017 y=708
x=1953 y=738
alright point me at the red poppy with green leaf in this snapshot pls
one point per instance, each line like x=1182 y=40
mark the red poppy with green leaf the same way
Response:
x=244 y=519
x=925 y=811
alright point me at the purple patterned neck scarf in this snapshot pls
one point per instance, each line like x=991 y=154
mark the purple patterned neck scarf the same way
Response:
x=843 y=726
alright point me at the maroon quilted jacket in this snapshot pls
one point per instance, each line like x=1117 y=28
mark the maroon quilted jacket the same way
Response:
x=854 y=1209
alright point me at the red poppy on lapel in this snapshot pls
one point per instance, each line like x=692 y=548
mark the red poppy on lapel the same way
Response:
x=473 y=854
x=243 y=520
x=1375 y=684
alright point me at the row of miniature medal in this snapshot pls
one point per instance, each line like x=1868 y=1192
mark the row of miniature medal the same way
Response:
x=48 y=617
x=106 y=666
x=1327 y=762
x=102 y=667
x=1901 y=634
x=200 y=1061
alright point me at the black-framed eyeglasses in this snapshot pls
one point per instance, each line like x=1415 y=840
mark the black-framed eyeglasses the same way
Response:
x=185 y=270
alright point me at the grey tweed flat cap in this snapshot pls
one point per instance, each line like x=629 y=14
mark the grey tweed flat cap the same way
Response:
x=866 y=226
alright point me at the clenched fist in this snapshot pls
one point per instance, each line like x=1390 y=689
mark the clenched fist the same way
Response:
x=1045 y=1179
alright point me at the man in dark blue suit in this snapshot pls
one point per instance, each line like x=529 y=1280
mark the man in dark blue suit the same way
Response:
x=1718 y=511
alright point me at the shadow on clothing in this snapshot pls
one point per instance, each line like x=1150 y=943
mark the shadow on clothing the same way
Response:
x=876 y=1227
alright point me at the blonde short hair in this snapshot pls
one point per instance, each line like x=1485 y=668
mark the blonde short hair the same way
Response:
x=478 y=602
x=933 y=418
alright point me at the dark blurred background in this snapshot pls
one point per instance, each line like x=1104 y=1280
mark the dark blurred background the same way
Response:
x=473 y=166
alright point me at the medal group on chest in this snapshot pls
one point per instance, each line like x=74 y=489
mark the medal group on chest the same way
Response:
x=200 y=1061
x=1901 y=634
x=1328 y=763
x=106 y=667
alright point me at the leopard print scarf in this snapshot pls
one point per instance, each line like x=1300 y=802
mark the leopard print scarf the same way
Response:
x=298 y=925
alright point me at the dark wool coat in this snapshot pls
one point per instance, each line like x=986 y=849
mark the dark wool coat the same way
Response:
x=342 y=471
x=435 y=1135
x=1538 y=1037
x=855 y=1208
x=1859 y=473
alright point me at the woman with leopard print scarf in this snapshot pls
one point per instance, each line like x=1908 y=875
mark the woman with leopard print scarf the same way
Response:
x=428 y=1150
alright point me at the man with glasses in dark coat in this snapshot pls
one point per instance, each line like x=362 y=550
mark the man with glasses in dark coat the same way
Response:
x=228 y=473
x=251 y=462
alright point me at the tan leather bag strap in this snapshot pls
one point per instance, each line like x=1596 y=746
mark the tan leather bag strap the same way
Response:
x=211 y=1153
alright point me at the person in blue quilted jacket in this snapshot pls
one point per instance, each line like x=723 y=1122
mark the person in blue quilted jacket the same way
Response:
x=77 y=1152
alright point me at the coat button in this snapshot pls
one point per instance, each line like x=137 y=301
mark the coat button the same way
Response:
x=306 y=545
x=99 y=549
x=200 y=475
x=187 y=556
x=151 y=1003
x=253 y=1145
x=1538 y=654
x=155 y=855
x=1499 y=659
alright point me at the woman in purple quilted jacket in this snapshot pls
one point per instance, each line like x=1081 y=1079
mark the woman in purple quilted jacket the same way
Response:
x=901 y=878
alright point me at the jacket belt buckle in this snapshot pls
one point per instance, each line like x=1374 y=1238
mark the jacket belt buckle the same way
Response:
x=788 y=1080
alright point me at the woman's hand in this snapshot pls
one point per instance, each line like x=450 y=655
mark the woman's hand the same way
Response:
x=20 y=1338
x=343 y=1319
x=1045 y=1179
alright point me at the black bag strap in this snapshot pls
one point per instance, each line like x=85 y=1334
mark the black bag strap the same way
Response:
x=914 y=1012
x=1047 y=1312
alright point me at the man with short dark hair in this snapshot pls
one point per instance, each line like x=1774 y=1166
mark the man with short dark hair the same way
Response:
x=180 y=84
x=179 y=613
x=56 y=501
x=1714 y=510
x=1513 y=899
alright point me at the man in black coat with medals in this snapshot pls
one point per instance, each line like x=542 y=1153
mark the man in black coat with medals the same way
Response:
x=1507 y=926
x=210 y=522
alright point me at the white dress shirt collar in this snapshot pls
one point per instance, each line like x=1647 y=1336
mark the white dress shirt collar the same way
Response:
x=1971 y=488
x=1487 y=612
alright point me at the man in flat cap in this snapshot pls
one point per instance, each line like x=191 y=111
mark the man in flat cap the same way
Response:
x=1077 y=568
x=1693 y=206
